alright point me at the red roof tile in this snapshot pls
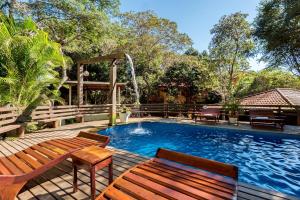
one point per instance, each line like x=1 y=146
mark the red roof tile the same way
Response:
x=278 y=96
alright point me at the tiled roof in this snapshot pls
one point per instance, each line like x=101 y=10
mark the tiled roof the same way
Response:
x=278 y=96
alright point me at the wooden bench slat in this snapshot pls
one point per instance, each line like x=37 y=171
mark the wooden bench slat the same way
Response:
x=45 y=151
x=53 y=148
x=23 y=166
x=8 y=128
x=82 y=141
x=114 y=193
x=137 y=191
x=222 y=192
x=29 y=160
x=4 y=170
x=193 y=176
x=41 y=158
x=7 y=121
x=8 y=115
x=10 y=166
x=58 y=145
x=156 y=188
x=6 y=109
x=195 y=171
x=67 y=143
x=180 y=187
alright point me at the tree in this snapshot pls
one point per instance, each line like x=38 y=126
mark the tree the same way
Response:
x=30 y=64
x=82 y=28
x=277 y=29
x=191 y=74
x=152 y=42
x=255 y=82
x=230 y=47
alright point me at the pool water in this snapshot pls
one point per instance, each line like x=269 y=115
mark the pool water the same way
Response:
x=267 y=160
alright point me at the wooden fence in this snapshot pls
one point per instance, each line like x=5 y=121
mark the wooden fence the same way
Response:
x=164 y=110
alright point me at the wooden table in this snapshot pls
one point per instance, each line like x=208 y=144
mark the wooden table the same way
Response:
x=92 y=159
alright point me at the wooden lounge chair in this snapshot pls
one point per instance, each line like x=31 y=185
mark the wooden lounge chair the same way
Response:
x=265 y=118
x=17 y=169
x=173 y=175
x=208 y=114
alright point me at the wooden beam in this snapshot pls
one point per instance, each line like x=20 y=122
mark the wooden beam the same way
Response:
x=70 y=95
x=119 y=95
x=102 y=58
x=113 y=93
x=80 y=84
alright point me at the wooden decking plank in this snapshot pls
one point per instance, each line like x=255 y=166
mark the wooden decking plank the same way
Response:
x=122 y=161
x=26 y=194
x=266 y=194
x=4 y=151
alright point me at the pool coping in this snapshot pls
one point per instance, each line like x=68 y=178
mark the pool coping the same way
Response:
x=232 y=127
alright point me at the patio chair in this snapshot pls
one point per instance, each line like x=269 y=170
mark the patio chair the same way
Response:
x=18 y=168
x=208 y=114
x=173 y=175
x=265 y=118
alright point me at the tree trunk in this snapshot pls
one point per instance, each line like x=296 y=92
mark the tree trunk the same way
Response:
x=11 y=8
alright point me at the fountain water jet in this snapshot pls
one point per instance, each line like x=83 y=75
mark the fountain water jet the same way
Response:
x=133 y=79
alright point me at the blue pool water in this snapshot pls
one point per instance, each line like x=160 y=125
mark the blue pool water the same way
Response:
x=264 y=159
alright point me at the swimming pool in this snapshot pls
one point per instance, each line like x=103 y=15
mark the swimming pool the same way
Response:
x=264 y=159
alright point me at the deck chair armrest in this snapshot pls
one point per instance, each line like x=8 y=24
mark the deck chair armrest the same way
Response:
x=201 y=163
x=95 y=136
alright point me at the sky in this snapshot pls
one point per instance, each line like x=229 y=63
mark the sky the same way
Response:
x=196 y=17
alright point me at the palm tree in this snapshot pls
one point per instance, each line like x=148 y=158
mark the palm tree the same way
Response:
x=29 y=65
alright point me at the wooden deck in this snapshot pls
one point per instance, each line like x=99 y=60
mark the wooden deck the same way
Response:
x=57 y=182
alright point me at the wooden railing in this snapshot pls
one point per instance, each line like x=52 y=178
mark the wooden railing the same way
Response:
x=164 y=110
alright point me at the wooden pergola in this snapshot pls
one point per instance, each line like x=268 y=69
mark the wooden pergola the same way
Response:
x=112 y=80
x=94 y=85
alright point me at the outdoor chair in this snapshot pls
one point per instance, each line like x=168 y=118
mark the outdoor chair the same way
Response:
x=18 y=168
x=174 y=175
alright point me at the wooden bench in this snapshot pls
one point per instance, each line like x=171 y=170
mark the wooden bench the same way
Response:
x=8 y=118
x=52 y=116
x=18 y=168
x=265 y=117
x=208 y=114
x=173 y=175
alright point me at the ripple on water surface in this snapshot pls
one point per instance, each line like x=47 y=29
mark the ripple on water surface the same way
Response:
x=268 y=160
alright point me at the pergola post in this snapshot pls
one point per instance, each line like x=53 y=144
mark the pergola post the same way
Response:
x=119 y=95
x=70 y=95
x=80 y=84
x=113 y=92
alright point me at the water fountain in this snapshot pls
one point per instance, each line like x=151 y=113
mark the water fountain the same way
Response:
x=139 y=130
x=133 y=79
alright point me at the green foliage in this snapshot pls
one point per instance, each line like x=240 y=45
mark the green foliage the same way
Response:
x=277 y=28
x=82 y=27
x=230 y=47
x=251 y=83
x=125 y=109
x=152 y=42
x=29 y=63
x=192 y=75
x=232 y=107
